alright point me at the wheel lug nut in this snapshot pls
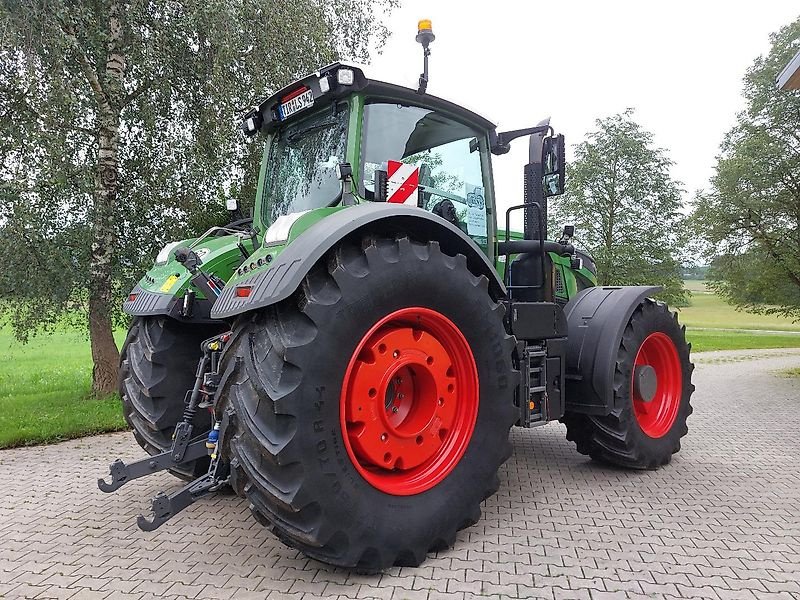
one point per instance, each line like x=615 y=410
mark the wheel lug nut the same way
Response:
x=395 y=409
x=400 y=396
x=396 y=354
x=384 y=437
x=399 y=380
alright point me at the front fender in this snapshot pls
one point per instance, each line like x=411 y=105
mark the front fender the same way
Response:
x=596 y=320
x=283 y=277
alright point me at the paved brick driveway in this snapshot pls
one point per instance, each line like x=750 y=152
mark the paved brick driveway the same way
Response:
x=722 y=521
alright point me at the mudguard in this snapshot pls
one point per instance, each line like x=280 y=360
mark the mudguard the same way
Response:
x=287 y=271
x=596 y=320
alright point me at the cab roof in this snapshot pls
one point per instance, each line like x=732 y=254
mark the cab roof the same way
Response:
x=267 y=117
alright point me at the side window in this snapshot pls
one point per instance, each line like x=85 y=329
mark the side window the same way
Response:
x=445 y=152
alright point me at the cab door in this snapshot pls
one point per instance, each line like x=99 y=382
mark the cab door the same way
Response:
x=447 y=159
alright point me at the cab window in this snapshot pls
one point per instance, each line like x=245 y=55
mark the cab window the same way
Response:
x=444 y=150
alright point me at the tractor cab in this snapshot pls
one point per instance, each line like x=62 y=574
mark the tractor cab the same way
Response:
x=337 y=138
x=390 y=144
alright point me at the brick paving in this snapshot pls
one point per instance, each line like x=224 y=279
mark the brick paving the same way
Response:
x=722 y=521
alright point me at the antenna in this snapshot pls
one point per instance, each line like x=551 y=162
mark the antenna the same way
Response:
x=425 y=37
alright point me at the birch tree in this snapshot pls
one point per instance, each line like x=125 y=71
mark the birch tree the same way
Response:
x=119 y=131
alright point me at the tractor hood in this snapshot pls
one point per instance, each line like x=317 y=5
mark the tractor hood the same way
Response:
x=162 y=288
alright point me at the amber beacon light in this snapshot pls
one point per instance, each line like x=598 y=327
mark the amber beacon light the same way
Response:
x=425 y=37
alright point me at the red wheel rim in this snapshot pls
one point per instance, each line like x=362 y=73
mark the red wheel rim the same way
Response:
x=657 y=416
x=409 y=401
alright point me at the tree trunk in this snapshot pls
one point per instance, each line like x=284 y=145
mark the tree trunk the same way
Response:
x=104 y=349
x=101 y=333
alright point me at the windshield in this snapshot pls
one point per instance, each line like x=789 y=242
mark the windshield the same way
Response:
x=301 y=167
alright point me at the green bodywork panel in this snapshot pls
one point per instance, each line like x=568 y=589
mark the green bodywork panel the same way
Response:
x=574 y=279
x=262 y=258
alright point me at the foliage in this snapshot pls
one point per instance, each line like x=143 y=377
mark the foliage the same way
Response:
x=694 y=273
x=751 y=216
x=624 y=206
x=119 y=132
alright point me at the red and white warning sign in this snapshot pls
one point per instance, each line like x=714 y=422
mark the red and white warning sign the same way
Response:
x=402 y=181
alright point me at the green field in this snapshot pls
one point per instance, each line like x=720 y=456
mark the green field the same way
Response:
x=44 y=385
x=711 y=324
x=44 y=391
x=711 y=339
x=710 y=311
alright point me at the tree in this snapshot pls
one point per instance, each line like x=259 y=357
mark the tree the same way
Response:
x=751 y=216
x=119 y=131
x=625 y=206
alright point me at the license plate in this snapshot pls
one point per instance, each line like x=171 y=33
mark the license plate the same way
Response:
x=295 y=105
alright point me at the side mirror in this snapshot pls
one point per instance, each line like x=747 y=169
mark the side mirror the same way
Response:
x=553 y=165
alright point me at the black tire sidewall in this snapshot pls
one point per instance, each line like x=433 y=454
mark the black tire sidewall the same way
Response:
x=350 y=502
x=172 y=350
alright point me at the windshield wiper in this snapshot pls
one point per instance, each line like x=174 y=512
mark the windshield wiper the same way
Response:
x=295 y=135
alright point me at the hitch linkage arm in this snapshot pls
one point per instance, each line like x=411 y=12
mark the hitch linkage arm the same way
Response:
x=165 y=506
x=122 y=473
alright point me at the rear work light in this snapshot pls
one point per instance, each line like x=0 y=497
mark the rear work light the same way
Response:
x=243 y=291
x=324 y=85
x=345 y=76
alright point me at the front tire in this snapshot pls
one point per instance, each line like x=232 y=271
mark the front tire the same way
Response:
x=158 y=363
x=403 y=333
x=652 y=390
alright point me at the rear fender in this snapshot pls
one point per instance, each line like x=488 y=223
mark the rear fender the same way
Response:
x=287 y=271
x=596 y=320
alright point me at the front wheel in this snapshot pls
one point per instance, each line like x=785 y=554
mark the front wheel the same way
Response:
x=371 y=412
x=652 y=393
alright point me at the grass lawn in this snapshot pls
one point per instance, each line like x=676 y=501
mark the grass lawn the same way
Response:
x=712 y=324
x=716 y=339
x=44 y=391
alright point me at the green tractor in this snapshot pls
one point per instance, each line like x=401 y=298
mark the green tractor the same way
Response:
x=366 y=343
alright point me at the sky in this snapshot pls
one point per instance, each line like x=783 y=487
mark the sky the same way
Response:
x=679 y=64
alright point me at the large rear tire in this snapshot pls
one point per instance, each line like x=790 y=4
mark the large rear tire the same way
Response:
x=652 y=390
x=158 y=363
x=370 y=413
